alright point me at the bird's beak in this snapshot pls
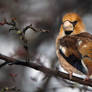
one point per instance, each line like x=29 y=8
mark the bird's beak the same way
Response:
x=68 y=27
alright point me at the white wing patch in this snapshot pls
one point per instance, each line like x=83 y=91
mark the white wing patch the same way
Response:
x=63 y=49
x=84 y=65
x=79 y=42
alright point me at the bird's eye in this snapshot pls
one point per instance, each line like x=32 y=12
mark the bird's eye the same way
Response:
x=74 y=23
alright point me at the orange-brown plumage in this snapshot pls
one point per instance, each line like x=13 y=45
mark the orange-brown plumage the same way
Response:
x=74 y=45
x=80 y=46
x=79 y=27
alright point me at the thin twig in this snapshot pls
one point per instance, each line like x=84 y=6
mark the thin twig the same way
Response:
x=34 y=29
x=21 y=32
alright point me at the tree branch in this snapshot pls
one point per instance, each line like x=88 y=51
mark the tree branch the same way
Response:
x=45 y=70
x=21 y=33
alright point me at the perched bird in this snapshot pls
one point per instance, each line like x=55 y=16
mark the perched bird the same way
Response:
x=74 y=46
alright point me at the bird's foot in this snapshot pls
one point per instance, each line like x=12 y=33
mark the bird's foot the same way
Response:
x=70 y=75
x=87 y=78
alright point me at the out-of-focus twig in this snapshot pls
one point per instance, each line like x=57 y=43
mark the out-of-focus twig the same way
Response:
x=10 y=89
x=21 y=32
x=14 y=26
x=34 y=29
x=46 y=70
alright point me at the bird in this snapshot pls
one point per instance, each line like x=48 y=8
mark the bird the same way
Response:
x=74 y=46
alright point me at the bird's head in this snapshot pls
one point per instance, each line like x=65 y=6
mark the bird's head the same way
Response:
x=72 y=24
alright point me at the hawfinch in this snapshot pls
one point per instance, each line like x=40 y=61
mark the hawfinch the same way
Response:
x=74 y=46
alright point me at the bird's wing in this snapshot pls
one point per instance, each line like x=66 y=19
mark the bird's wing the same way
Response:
x=75 y=51
x=85 y=50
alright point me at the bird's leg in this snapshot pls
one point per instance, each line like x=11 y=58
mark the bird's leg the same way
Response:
x=70 y=75
x=87 y=78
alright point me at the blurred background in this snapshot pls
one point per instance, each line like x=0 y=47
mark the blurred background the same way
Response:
x=47 y=15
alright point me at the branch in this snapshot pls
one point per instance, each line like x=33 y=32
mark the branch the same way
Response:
x=34 y=29
x=45 y=70
x=21 y=33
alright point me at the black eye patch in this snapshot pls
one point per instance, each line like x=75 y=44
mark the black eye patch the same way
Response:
x=74 y=23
